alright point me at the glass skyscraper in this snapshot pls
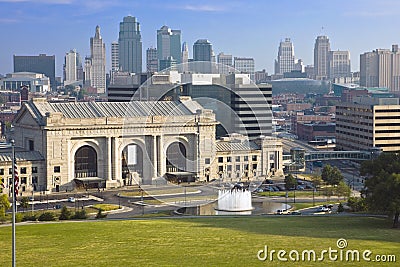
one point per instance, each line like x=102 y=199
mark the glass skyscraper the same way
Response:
x=130 y=45
x=169 y=44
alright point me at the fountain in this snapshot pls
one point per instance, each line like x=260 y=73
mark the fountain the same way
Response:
x=236 y=201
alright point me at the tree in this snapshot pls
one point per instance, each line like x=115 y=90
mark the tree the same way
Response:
x=24 y=202
x=4 y=206
x=382 y=188
x=65 y=213
x=343 y=189
x=331 y=176
x=290 y=182
x=317 y=181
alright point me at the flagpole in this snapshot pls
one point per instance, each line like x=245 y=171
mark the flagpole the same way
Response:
x=14 y=203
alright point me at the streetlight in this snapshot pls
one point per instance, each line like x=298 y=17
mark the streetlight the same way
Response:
x=14 y=203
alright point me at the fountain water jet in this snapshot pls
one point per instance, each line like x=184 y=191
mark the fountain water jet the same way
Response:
x=236 y=201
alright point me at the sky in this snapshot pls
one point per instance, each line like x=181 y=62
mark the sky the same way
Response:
x=248 y=28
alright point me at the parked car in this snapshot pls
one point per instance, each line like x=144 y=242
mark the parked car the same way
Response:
x=281 y=212
x=295 y=212
x=323 y=209
x=71 y=199
x=299 y=187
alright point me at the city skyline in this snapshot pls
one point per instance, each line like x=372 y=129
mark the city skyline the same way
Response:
x=233 y=27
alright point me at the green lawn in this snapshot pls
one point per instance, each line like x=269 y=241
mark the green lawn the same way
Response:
x=206 y=241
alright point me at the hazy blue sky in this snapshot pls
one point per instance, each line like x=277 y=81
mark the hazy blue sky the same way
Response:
x=241 y=28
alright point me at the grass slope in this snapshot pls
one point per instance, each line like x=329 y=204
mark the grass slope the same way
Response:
x=209 y=241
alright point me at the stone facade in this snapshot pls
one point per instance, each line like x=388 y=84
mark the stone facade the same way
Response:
x=108 y=145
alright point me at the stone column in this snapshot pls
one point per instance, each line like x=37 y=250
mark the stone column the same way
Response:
x=154 y=156
x=161 y=155
x=109 y=159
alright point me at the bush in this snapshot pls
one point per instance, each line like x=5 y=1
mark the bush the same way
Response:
x=28 y=217
x=357 y=204
x=65 y=214
x=340 y=208
x=100 y=214
x=47 y=216
x=18 y=217
x=80 y=215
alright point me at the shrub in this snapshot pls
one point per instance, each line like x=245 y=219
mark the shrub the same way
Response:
x=340 y=208
x=47 y=216
x=80 y=215
x=100 y=214
x=65 y=214
x=28 y=217
x=357 y=204
x=18 y=217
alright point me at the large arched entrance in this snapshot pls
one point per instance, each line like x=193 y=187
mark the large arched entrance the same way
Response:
x=132 y=164
x=85 y=162
x=176 y=157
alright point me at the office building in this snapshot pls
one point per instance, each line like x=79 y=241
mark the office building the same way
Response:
x=73 y=71
x=244 y=65
x=339 y=64
x=368 y=122
x=95 y=65
x=286 y=60
x=185 y=57
x=321 y=56
x=42 y=64
x=151 y=60
x=225 y=63
x=202 y=54
x=114 y=56
x=130 y=45
x=169 y=44
x=381 y=68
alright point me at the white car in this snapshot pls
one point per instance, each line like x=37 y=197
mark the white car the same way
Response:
x=71 y=199
x=323 y=209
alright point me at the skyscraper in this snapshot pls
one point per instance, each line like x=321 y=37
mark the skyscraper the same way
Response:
x=114 y=56
x=286 y=60
x=169 y=44
x=321 y=55
x=95 y=66
x=381 y=68
x=202 y=51
x=185 y=57
x=339 y=64
x=130 y=45
x=72 y=67
x=38 y=64
x=151 y=60
x=225 y=63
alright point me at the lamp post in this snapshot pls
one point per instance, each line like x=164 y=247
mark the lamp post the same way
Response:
x=14 y=203
x=32 y=200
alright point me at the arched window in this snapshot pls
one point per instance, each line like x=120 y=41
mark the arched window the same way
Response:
x=85 y=162
x=176 y=157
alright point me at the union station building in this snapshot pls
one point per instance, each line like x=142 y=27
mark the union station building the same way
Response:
x=62 y=146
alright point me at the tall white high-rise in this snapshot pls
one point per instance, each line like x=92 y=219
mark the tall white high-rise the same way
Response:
x=381 y=68
x=286 y=60
x=225 y=63
x=72 y=67
x=95 y=66
x=321 y=56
